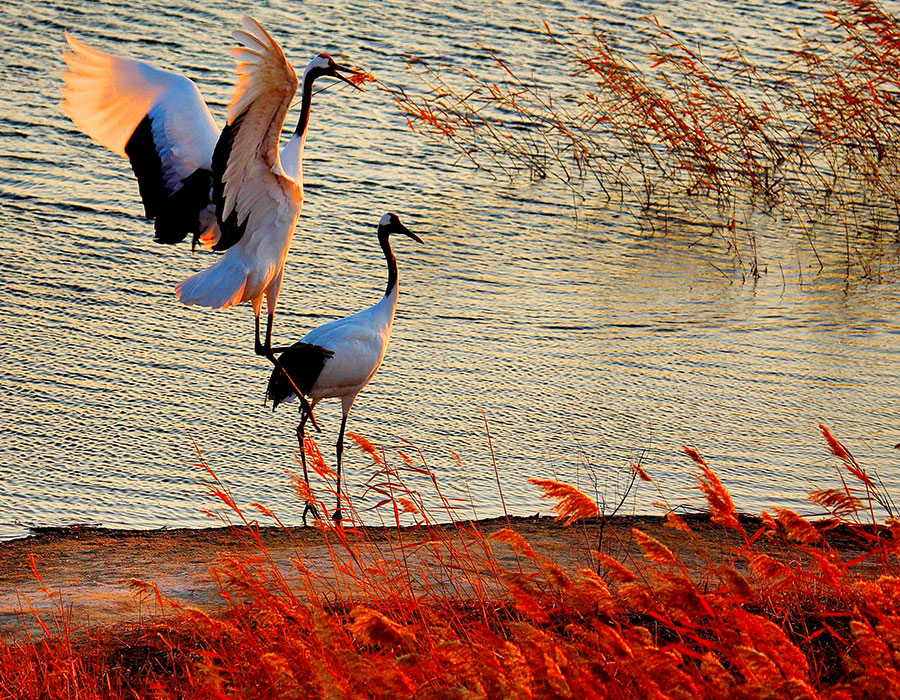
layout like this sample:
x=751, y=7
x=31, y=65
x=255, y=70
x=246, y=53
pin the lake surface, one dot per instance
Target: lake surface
x=585, y=341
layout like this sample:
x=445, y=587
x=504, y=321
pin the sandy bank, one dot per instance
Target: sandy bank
x=90, y=567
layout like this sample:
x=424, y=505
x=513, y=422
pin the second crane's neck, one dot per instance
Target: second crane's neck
x=292, y=155
x=385, y=240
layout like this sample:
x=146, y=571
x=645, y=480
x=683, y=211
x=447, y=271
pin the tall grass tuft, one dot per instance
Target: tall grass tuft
x=444, y=611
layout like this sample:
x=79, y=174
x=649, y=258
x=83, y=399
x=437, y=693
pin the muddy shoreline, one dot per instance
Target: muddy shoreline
x=87, y=569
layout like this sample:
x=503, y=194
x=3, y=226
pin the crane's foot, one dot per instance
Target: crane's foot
x=310, y=508
x=337, y=517
x=268, y=353
x=263, y=349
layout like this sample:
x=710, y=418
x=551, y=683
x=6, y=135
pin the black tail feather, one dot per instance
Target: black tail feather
x=182, y=211
x=304, y=363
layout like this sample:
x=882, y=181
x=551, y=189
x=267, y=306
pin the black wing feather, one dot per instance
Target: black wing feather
x=147, y=166
x=177, y=212
x=231, y=230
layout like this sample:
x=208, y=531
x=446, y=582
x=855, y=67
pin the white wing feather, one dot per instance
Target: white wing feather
x=265, y=87
x=256, y=196
x=108, y=96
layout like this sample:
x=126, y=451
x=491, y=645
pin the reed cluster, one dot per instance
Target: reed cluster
x=782, y=615
x=688, y=135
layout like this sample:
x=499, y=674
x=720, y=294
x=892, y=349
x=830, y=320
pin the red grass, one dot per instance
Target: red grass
x=786, y=617
x=571, y=504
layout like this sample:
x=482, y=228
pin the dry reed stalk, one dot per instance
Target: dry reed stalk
x=687, y=135
x=786, y=618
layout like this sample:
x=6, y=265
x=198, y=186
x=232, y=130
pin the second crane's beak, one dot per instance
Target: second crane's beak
x=353, y=73
x=402, y=229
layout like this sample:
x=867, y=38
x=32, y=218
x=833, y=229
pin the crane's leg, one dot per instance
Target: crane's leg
x=310, y=506
x=270, y=319
x=271, y=294
x=336, y=516
x=306, y=409
x=258, y=346
x=265, y=349
x=257, y=310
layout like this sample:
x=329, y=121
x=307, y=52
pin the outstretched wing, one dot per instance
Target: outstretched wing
x=247, y=171
x=155, y=118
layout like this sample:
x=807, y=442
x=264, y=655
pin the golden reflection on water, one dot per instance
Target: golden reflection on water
x=585, y=340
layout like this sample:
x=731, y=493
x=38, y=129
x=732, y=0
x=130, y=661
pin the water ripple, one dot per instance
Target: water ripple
x=584, y=341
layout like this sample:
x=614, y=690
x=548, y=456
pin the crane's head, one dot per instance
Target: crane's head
x=323, y=64
x=390, y=223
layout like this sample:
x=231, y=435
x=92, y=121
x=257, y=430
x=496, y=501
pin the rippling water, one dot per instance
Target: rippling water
x=585, y=341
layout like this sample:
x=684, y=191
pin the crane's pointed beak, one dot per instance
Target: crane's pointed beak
x=403, y=229
x=353, y=74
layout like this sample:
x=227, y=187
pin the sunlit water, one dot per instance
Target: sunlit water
x=584, y=341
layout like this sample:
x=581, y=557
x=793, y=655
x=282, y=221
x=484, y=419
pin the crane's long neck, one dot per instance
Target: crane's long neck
x=385, y=240
x=305, y=105
x=292, y=155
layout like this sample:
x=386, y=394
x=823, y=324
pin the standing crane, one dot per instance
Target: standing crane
x=338, y=359
x=232, y=190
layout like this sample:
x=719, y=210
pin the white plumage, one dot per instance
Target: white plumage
x=359, y=343
x=107, y=97
x=232, y=190
x=338, y=359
